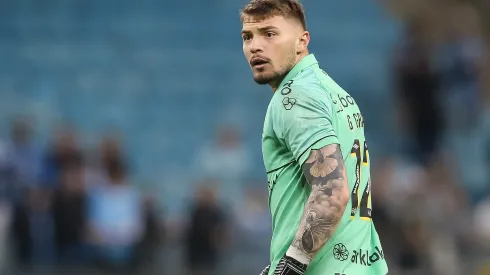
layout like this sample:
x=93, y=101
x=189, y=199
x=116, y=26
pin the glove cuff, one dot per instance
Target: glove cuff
x=294, y=264
x=289, y=266
x=298, y=255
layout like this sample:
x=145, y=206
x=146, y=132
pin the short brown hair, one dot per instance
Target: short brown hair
x=268, y=8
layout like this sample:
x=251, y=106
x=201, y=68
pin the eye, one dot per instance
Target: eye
x=246, y=37
x=270, y=34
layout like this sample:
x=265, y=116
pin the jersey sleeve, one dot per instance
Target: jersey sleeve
x=303, y=120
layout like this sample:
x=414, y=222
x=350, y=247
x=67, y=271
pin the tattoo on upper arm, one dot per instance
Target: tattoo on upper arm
x=325, y=172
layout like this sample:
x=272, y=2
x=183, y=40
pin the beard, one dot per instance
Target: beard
x=264, y=78
x=274, y=77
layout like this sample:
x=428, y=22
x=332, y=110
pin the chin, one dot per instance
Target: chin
x=263, y=79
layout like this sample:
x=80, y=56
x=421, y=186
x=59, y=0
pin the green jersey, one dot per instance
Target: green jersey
x=309, y=111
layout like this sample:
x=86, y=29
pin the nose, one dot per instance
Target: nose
x=255, y=46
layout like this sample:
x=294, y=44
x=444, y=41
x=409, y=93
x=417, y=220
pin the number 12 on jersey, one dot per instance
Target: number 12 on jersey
x=363, y=204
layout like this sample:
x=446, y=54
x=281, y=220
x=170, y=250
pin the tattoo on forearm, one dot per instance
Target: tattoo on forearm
x=326, y=174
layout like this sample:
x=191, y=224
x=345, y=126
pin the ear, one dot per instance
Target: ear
x=303, y=42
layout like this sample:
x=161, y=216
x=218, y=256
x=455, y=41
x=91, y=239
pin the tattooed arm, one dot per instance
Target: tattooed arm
x=325, y=172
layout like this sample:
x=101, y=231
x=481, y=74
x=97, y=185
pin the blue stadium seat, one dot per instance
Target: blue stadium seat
x=167, y=73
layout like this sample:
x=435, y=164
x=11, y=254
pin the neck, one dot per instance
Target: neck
x=275, y=83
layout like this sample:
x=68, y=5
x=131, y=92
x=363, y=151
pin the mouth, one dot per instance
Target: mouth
x=258, y=62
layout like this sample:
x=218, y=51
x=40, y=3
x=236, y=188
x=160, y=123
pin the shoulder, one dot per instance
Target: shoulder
x=303, y=90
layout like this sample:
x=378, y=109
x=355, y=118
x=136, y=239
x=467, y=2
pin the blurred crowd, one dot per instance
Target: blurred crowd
x=77, y=210
x=432, y=203
x=62, y=205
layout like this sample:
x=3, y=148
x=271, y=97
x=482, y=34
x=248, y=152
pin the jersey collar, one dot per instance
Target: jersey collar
x=304, y=63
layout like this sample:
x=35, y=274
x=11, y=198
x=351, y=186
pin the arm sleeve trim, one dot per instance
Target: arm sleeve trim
x=313, y=143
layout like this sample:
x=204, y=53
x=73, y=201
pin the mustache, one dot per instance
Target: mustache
x=258, y=60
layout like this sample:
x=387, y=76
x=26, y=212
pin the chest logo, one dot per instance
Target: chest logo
x=288, y=103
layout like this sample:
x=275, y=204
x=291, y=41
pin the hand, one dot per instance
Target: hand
x=266, y=270
x=290, y=266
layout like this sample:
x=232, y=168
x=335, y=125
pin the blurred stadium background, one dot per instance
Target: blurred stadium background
x=130, y=133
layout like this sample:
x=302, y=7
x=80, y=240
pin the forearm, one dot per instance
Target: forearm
x=325, y=206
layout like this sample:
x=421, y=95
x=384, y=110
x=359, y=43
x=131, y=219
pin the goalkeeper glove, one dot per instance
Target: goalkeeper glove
x=266, y=270
x=287, y=266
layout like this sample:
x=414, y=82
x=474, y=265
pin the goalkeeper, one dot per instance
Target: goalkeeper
x=314, y=150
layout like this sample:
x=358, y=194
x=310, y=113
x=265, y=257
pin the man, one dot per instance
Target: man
x=205, y=234
x=314, y=151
